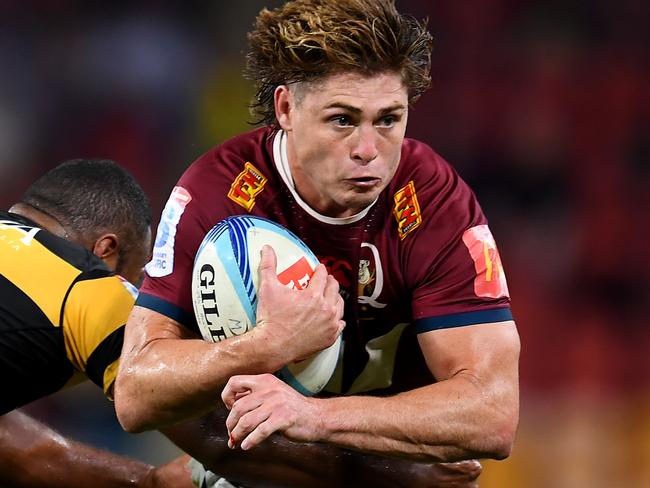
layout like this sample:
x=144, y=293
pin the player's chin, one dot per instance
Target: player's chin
x=359, y=200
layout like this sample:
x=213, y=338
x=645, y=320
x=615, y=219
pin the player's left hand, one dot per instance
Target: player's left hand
x=263, y=404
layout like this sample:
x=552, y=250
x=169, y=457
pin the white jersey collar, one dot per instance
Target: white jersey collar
x=282, y=164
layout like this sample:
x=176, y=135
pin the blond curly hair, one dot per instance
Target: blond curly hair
x=306, y=40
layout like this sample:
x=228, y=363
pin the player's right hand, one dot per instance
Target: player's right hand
x=297, y=323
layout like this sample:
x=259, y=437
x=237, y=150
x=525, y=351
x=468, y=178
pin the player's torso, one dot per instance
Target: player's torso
x=365, y=257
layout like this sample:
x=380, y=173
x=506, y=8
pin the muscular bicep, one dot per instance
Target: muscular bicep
x=480, y=352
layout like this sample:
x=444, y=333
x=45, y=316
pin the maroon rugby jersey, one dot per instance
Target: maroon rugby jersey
x=420, y=258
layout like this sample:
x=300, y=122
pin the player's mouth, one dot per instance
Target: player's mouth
x=366, y=182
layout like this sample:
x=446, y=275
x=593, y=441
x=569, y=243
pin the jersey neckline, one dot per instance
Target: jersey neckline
x=281, y=161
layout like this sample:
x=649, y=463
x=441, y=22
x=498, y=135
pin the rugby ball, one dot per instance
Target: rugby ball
x=225, y=281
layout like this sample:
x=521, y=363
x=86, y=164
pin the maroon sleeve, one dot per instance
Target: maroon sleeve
x=451, y=260
x=209, y=191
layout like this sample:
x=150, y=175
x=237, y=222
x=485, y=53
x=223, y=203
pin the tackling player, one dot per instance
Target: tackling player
x=62, y=318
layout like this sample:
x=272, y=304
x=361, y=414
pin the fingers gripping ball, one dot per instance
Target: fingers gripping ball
x=225, y=283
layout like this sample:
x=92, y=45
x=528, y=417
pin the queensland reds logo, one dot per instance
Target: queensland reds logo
x=297, y=275
x=371, y=276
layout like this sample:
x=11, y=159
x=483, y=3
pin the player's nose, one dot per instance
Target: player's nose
x=364, y=148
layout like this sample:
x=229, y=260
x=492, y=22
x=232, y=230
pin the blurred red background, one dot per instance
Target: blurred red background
x=541, y=106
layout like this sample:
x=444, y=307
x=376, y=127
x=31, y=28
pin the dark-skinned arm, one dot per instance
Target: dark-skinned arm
x=278, y=462
x=32, y=454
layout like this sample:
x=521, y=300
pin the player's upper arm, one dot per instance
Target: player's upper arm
x=479, y=364
x=485, y=351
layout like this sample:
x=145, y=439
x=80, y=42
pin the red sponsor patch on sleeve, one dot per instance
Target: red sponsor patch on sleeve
x=490, y=279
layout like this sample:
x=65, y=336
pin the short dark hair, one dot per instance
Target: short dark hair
x=92, y=196
x=306, y=40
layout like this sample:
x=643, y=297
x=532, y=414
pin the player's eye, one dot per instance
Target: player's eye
x=387, y=121
x=341, y=121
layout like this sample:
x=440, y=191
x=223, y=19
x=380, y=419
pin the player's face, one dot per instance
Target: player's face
x=130, y=266
x=344, y=138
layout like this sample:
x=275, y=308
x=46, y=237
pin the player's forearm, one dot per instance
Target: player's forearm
x=31, y=454
x=450, y=420
x=166, y=377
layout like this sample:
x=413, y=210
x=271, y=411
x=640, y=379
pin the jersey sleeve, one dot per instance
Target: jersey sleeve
x=94, y=316
x=456, y=270
x=197, y=203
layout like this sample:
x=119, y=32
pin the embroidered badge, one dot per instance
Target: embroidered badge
x=248, y=183
x=407, y=210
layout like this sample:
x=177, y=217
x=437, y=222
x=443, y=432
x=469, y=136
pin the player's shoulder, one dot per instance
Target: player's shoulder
x=237, y=168
x=254, y=146
x=428, y=193
x=52, y=249
x=426, y=171
x=419, y=160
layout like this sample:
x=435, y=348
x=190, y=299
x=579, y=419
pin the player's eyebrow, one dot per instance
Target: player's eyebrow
x=357, y=110
x=393, y=108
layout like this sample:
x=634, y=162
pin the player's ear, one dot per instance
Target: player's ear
x=283, y=100
x=107, y=248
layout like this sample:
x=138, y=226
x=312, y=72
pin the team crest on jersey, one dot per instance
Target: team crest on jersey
x=490, y=279
x=248, y=183
x=407, y=210
x=366, y=276
x=162, y=261
x=371, y=276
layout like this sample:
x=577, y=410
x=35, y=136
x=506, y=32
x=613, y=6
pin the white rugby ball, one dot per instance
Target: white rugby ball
x=224, y=288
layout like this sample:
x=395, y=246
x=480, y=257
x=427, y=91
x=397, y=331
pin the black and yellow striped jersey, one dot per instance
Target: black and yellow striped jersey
x=62, y=314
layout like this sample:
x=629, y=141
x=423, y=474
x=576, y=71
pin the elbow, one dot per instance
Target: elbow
x=500, y=440
x=130, y=422
x=130, y=409
x=500, y=447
